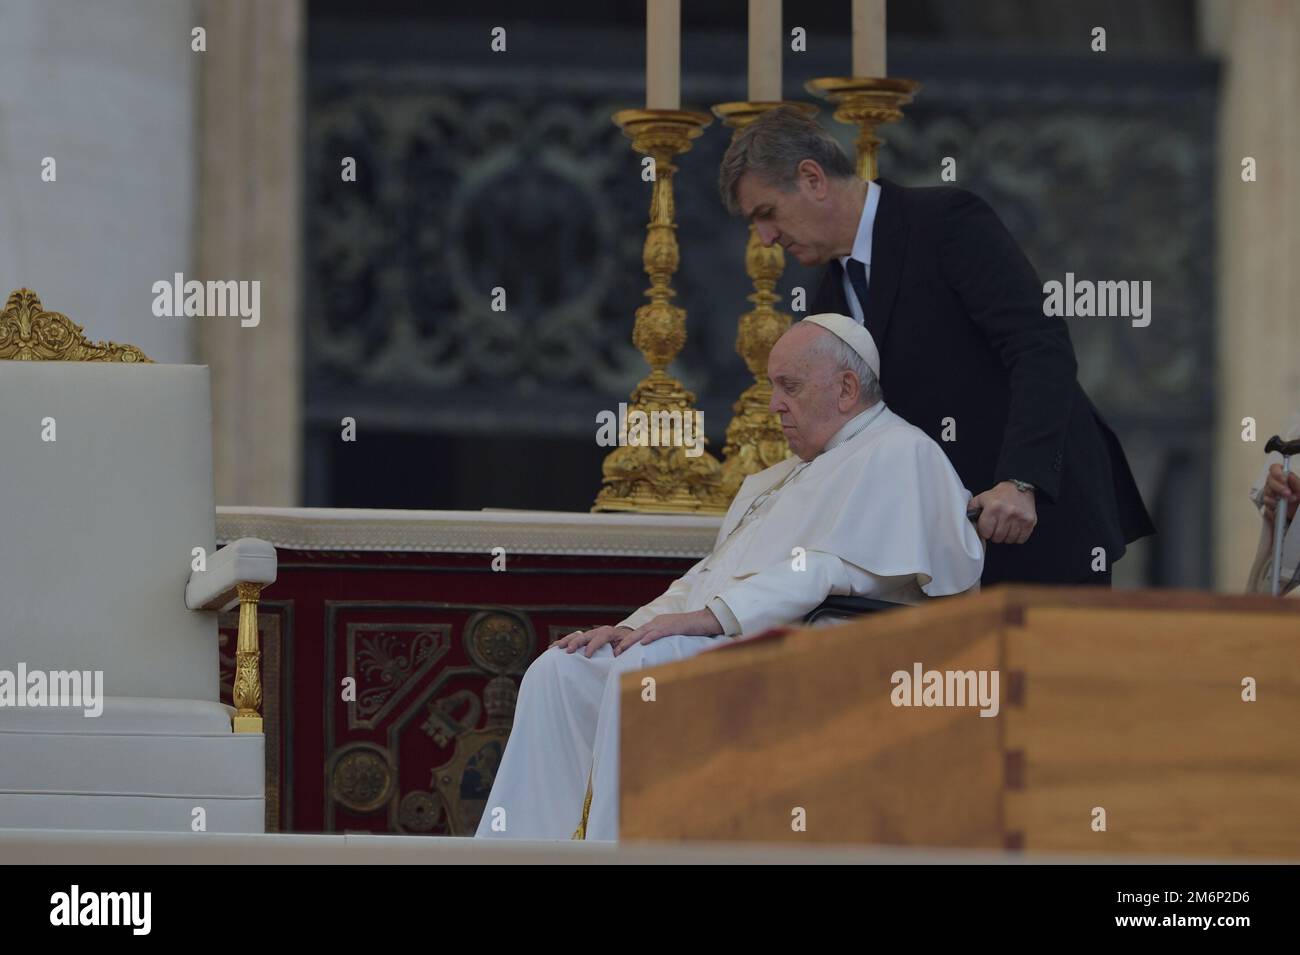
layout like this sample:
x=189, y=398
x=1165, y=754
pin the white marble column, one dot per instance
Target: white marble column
x=249, y=227
x=106, y=89
x=1258, y=256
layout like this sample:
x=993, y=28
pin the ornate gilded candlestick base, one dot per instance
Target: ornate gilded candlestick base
x=865, y=102
x=661, y=476
x=755, y=440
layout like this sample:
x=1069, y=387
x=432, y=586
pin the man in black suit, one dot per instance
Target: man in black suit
x=966, y=352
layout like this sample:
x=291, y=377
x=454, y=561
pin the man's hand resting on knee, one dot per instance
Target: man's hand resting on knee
x=700, y=623
x=592, y=639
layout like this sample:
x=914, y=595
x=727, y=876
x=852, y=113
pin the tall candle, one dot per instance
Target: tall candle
x=663, y=54
x=869, y=38
x=765, y=49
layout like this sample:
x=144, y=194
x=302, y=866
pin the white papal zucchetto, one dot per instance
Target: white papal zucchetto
x=852, y=334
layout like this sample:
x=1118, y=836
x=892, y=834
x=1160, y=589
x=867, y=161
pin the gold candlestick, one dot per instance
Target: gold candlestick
x=655, y=477
x=865, y=102
x=755, y=440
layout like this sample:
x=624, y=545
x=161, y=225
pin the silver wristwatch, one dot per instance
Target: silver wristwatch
x=1021, y=485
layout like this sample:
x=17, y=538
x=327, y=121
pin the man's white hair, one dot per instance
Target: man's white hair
x=844, y=358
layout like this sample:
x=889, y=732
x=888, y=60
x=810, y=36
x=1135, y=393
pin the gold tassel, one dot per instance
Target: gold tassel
x=581, y=831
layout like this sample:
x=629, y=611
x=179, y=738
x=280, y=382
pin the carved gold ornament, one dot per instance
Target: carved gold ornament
x=755, y=440
x=865, y=102
x=655, y=478
x=29, y=333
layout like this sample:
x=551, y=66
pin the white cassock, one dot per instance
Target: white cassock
x=879, y=513
x=1260, y=579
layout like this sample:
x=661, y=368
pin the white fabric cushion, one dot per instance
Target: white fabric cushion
x=133, y=813
x=129, y=715
x=195, y=767
x=98, y=526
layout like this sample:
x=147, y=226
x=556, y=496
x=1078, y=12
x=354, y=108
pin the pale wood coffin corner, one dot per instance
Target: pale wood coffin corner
x=1127, y=702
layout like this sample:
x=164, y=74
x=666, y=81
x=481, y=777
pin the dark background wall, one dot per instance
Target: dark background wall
x=478, y=170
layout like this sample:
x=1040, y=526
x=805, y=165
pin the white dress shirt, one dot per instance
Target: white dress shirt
x=861, y=251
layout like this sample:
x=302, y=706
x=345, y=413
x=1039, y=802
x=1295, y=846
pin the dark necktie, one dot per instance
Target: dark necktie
x=858, y=279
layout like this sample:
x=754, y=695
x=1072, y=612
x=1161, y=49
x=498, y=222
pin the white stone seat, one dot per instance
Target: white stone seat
x=130, y=716
x=97, y=534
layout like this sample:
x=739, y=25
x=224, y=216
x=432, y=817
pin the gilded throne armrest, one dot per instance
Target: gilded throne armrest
x=236, y=574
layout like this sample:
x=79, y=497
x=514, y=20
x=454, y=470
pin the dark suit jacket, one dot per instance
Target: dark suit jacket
x=957, y=313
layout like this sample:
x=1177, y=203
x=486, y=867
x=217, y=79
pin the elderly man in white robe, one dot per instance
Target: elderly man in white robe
x=867, y=505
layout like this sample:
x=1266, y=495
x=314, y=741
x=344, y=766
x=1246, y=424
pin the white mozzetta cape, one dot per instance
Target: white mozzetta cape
x=886, y=500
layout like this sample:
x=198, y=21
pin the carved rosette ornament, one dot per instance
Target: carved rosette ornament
x=362, y=778
x=29, y=333
x=644, y=477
